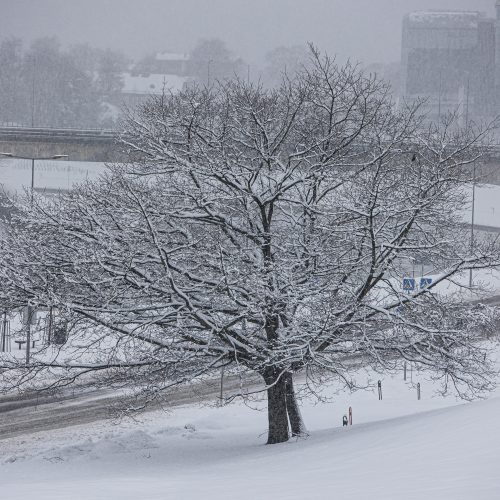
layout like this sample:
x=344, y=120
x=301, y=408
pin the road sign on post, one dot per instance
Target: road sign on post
x=408, y=284
x=425, y=282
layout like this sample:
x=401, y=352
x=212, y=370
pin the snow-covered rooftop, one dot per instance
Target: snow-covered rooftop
x=456, y=19
x=152, y=84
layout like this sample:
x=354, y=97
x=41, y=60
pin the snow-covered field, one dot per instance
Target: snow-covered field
x=398, y=448
x=15, y=175
x=487, y=205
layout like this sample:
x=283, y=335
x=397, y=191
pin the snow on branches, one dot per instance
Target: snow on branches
x=265, y=230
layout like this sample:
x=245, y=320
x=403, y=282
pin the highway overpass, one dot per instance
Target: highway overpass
x=79, y=145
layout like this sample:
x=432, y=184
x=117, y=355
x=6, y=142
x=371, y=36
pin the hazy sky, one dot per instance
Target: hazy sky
x=364, y=30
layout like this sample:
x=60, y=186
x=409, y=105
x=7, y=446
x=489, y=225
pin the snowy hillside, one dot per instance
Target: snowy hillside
x=15, y=175
x=400, y=447
x=53, y=175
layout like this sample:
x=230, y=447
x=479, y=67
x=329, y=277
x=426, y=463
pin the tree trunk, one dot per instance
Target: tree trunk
x=276, y=408
x=297, y=425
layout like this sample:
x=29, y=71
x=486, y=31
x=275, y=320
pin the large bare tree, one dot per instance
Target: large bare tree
x=265, y=231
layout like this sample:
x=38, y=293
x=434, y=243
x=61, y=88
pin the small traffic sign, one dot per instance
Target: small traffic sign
x=408, y=284
x=425, y=282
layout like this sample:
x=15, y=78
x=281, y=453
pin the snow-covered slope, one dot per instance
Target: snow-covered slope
x=50, y=175
x=400, y=447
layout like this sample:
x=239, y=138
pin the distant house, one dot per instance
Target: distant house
x=162, y=63
x=137, y=88
x=171, y=63
x=164, y=71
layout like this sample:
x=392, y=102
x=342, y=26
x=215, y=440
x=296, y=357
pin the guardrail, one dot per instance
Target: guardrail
x=110, y=134
x=58, y=133
x=16, y=126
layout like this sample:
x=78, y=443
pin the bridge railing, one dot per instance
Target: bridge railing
x=57, y=132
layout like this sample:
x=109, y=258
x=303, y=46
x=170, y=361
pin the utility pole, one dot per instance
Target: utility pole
x=439, y=96
x=32, y=178
x=467, y=103
x=208, y=72
x=49, y=326
x=222, y=386
x=5, y=333
x=472, y=217
x=29, y=317
x=33, y=94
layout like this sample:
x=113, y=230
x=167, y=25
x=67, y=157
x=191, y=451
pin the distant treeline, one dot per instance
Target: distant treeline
x=45, y=86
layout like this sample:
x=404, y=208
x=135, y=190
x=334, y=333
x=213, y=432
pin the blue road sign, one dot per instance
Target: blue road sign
x=408, y=284
x=425, y=282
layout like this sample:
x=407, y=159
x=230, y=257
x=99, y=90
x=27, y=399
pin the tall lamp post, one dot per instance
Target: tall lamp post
x=209, y=63
x=17, y=157
x=472, y=218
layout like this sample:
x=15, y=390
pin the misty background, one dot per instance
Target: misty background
x=75, y=63
x=364, y=30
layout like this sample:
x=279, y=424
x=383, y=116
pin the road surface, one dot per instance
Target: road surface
x=28, y=413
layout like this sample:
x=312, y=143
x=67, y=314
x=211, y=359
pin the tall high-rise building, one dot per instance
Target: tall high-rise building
x=449, y=59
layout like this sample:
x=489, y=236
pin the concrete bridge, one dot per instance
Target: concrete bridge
x=88, y=150
x=97, y=145
x=78, y=145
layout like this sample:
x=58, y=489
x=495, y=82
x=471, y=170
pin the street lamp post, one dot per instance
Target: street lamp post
x=209, y=63
x=17, y=157
x=472, y=218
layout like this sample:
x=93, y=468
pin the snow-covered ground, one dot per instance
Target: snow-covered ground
x=398, y=448
x=15, y=175
x=486, y=206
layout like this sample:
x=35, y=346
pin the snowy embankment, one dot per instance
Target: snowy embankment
x=50, y=175
x=53, y=175
x=400, y=447
x=486, y=206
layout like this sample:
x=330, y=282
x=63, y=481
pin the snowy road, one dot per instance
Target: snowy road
x=34, y=413
x=26, y=415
